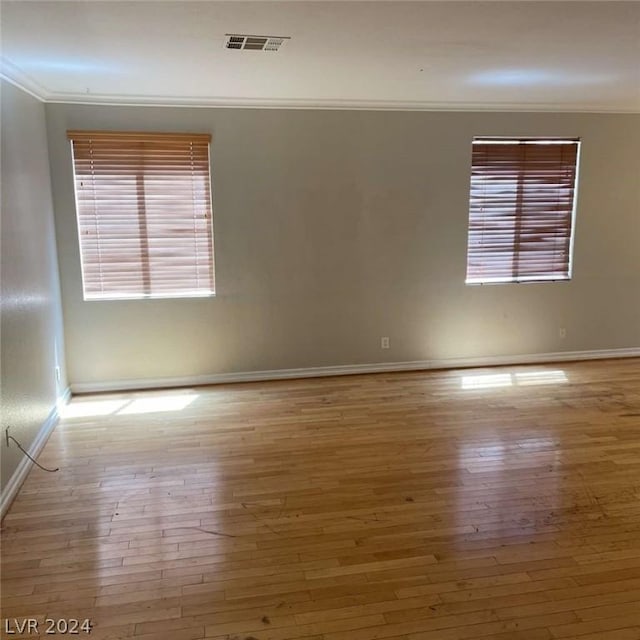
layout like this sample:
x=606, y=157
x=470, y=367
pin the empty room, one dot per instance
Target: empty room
x=320, y=320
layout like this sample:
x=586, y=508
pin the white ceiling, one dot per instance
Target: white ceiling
x=423, y=55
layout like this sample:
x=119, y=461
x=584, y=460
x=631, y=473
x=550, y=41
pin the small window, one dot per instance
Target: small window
x=521, y=210
x=143, y=203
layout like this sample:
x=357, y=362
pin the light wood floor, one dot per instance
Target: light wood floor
x=497, y=503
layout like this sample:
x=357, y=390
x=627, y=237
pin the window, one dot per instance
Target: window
x=521, y=210
x=143, y=202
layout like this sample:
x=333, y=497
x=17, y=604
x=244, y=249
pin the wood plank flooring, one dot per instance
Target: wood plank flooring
x=497, y=503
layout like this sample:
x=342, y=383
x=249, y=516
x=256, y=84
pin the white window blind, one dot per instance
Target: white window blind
x=521, y=210
x=144, y=214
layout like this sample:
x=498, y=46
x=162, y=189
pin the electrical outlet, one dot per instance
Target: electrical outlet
x=562, y=333
x=384, y=342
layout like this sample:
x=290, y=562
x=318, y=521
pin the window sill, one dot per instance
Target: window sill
x=137, y=298
x=533, y=280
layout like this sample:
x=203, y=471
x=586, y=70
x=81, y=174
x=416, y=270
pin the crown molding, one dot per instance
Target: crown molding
x=327, y=104
x=15, y=76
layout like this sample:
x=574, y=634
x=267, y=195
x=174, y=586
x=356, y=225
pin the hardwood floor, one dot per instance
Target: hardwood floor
x=489, y=503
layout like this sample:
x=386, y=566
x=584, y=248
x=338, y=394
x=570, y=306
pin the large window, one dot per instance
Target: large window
x=144, y=214
x=521, y=210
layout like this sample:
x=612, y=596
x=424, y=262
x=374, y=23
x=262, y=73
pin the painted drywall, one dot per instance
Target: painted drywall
x=334, y=228
x=31, y=316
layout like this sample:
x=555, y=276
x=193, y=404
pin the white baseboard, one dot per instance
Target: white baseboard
x=12, y=487
x=64, y=398
x=342, y=370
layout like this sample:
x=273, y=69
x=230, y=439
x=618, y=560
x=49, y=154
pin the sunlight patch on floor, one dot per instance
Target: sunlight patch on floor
x=156, y=403
x=526, y=378
x=85, y=409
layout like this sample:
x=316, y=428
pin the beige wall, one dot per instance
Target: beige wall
x=32, y=343
x=334, y=228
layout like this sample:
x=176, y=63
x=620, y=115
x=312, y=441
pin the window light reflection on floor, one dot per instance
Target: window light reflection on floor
x=127, y=406
x=541, y=377
x=485, y=381
x=158, y=404
x=87, y=408
x=526, y=378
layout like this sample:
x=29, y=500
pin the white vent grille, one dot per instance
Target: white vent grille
x=254, y=43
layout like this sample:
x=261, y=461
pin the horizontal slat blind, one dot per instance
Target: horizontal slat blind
x=521, y=210
x=144, y=214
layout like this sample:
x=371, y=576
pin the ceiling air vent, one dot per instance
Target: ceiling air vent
x=254, y=43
